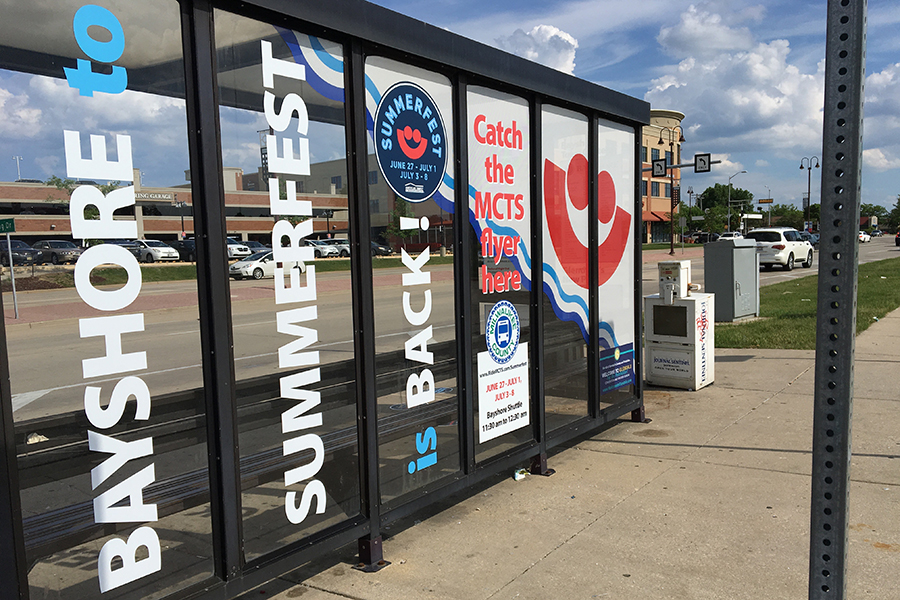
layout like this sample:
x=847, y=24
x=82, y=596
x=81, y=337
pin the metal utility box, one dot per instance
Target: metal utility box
x=731, y=272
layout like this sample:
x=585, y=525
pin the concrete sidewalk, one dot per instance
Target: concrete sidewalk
x=710, y=500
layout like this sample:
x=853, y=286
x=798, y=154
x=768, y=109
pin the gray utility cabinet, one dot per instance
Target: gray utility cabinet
x=731, y=272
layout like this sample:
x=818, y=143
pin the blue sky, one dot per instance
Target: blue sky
x=749, y=76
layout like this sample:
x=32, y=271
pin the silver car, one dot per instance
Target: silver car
x=153, y=250
x=57, y=252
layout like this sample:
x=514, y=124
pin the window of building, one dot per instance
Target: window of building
x=643, y=153
x=654, y=153
x=669, y=158
x=654, y=188
x=668, y=190
x=643, y=187
x=373, y=177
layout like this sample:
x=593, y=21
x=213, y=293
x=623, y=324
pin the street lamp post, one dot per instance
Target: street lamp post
x=809, y=168
x=180, y=207
x=672, y=194
x=729, y=197
x=769, y=196
x=18, y=169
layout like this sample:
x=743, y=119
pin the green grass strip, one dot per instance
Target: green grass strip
x=788, y=309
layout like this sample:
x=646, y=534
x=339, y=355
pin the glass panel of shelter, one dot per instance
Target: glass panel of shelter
x=615, y=258
x=410, y=115
x=564, y=143
x=500, y=226
x=106, y=380
x=283, y=146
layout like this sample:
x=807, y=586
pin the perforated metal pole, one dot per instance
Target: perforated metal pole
x=838, y=268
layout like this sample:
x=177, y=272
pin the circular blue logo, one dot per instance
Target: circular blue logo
x=410, y=142
x=501, y=334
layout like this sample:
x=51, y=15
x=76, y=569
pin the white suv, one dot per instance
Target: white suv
x=730, y=235
x=781, y=246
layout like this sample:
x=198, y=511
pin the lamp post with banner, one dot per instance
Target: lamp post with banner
x=672, y=188
x=809, y=167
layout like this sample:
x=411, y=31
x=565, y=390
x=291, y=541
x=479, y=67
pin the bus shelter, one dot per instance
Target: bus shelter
x=196, y=438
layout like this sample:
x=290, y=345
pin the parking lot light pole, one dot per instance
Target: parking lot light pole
x=809, y=168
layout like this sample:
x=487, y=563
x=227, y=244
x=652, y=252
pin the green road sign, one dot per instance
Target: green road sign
x=7, y=225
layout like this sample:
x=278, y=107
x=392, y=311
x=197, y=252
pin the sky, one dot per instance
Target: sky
x=749, y=76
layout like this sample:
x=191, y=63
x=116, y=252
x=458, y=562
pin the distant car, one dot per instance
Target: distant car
x=730, y=235
x=57, y=252
x=381, y=250
x=22, y=253
x=129, y=245
x=812, y=238
x=154, y=250
x=343, y=246
x=187, y=249
x=876, y=233
x=323, y=250
x=237, y=249
x=255, y=246
x=258, y=265
x=864, y=237
x=703, y=237
x=781, y=246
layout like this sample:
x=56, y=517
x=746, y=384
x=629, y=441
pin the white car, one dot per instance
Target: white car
x=864, y=237
x=781, y=246
x=323, y=250
x=257, y=266
x=153, y=250
x=343, y=246
x=236, y=249
x=730, y=235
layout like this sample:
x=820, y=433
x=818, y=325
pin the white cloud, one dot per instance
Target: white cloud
x=761, y=163
x=18, y=118
x=702, y=34
x=735, y=91
x=876, y=159
x=544, y=44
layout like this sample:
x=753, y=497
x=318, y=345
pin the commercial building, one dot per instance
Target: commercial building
x=662, y=138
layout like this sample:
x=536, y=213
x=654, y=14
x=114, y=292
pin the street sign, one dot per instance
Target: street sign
x=765, y=201
x=702, y=163
x=695, y=218
x=7, y=225
x=659, y=167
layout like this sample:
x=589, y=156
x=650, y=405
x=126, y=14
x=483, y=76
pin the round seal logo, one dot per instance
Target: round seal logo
x=410, y=142
x=502, y=332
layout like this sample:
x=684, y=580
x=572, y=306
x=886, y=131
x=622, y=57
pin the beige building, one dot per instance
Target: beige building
x=661, y=139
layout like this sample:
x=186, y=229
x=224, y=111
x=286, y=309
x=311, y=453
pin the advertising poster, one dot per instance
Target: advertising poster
x=502, y=375
x=615, y=254
x=500, y=216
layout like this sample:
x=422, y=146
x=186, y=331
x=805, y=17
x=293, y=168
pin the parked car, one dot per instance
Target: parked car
x=730, y=235
x=703, y=237
x=255, y=246
x=781, y=246
x=812, y=238
x=57, y=251
x=864, y=237
x=154, y=250
x=237, y=249
x=129, y=245
x=323, y=250
x=343, y=246
x=257, y=266
x=876, y=233
x=187, y=249
x=22, y=253
x=381, y=250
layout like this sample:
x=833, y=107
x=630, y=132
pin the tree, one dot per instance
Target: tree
x=787, y=215
x=718, y=195
x=401, y=209
x=894, y=216
x=68, y=186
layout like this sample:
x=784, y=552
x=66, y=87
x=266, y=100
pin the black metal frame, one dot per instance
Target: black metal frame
x=364, y=30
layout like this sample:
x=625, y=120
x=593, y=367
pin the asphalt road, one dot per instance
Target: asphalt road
x=46, y=349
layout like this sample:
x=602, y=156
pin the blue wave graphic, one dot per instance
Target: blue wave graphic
x=563, y=314
x=312, y=78
x=327, y=59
